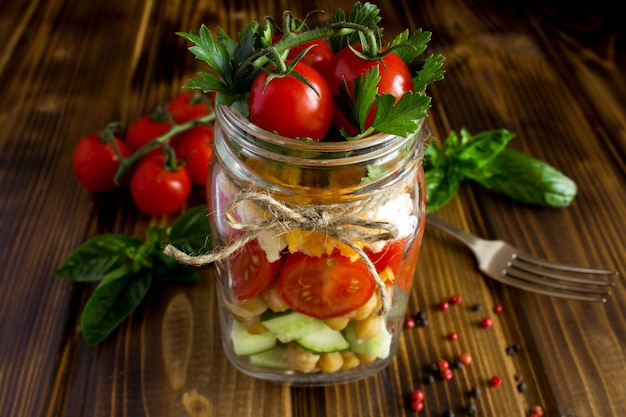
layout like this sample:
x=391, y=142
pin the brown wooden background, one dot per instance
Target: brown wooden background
x=549, y=71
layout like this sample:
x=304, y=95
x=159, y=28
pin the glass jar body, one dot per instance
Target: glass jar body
x=324, y=241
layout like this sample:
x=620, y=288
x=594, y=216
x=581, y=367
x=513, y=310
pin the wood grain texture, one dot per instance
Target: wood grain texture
x=550, y=72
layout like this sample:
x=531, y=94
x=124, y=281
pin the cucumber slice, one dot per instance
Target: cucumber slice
x=292, y=326
x=245, y=343
x=273, y=358
x=379, y=346
x=324, y=340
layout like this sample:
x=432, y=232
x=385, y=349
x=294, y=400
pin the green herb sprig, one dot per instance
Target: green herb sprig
x=126, y=268
x=485, y=159
x=234, y=63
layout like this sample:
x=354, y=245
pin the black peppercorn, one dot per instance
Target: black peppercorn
x=474, y=392
x=428, y=379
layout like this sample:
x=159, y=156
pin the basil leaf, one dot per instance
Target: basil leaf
x=170, y=270
x=441, y=186
x=191, y=232
x=111, y=302
x=477, y=151
x=97, y=257
x=528, y=180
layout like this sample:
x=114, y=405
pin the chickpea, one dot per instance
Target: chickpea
x=254, y=325
x=366, y=309
x=350, y=360
x=330, y=362
x=247, y=309
x=368, y=328
x=365, y=358
x=337, y=323
x=272, y=298
x=301, y=359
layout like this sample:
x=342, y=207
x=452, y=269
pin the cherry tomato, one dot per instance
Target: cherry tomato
x=156, y=190
x=187, y=106
x=291, y=108
x=390, y=256
x=144, y=130
x=250, y=271
x=407, y=272
x=195, y=146
x=395, y=79
x=318, y=57
x=95, y=162
x=328, y=286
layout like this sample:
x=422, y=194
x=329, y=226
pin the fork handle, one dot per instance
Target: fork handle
x=460, y=234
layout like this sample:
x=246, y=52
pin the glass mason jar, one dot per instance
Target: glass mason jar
x=324, y=239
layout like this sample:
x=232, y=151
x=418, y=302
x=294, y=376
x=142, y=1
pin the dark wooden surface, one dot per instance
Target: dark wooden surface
x=552, y=73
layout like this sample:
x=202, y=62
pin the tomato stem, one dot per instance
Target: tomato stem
x=127, y=162
x=269, y=54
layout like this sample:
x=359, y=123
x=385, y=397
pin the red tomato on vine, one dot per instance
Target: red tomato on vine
x=318, y=57
x=289, y=107
x=395, y=79
x=144, y=130
x=187, y=106
x=157, y=189
x=194, y=146
x=95, y=161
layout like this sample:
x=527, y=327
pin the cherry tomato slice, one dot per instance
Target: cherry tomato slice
x=328, y=286
x=250, y=271
x=390, y=256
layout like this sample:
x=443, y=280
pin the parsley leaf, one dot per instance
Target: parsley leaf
x=224, y=57
x=361, y=14
x=401, y=118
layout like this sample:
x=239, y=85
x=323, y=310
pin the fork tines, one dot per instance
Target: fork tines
x=539, y=272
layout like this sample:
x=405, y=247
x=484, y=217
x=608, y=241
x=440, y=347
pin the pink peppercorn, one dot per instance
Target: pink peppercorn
x=409, y=322
x=486, y=322
x=495, y=381
x=447, y=374
x=456, y=299
x=452, y=336
x=497, y=309
x=417, y=395
x=417, y=406
x=537, y=410
x=443, y=305
x=443, y=364
x=465, y=358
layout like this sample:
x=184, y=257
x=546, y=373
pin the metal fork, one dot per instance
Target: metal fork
x=504, y=263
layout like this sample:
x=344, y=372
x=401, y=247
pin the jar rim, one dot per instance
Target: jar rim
x=346, y=145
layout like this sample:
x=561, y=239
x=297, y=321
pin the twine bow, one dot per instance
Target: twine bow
x=343, y=222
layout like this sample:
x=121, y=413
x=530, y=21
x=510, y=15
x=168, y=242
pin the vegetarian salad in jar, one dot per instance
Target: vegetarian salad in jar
x=316, y=190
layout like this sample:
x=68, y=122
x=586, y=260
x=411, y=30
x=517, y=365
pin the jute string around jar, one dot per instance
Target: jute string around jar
x=344, y=222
